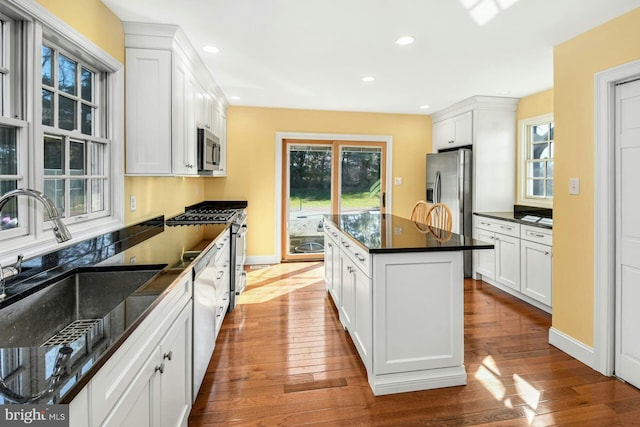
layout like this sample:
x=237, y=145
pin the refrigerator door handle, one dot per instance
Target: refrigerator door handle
x=437, y=185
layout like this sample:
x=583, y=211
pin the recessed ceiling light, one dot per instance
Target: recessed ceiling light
x=405, y=40
x=424, y=107
x=211, y=49
x=368, y=79
x=234, y=98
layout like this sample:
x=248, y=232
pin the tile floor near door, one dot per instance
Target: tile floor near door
x=282, y=358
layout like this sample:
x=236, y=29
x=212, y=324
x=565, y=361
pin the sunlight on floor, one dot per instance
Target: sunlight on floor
x=274, y=281
x=489, y=376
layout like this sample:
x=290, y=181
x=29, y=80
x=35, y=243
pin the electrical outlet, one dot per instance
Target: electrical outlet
x=397, y=180
x=574, y=186
x=132, y=260
x=133, y=203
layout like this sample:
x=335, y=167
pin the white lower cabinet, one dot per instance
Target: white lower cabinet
x=520, y=262
x=535, y=261
x=332, y=264
x=147, y=381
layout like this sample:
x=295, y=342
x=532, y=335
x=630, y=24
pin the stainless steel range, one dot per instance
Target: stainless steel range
x=222, y=212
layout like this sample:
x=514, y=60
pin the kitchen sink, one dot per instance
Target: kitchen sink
x=82, y=302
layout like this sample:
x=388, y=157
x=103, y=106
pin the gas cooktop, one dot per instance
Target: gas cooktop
x=209, y=213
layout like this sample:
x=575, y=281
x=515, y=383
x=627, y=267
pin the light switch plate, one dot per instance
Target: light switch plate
x=574, y=186
x=397, y=180
x=133, y=203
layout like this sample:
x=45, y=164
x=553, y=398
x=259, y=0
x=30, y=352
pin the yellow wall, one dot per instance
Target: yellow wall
x=575, y=62
x=251, y=134
x=93, y=20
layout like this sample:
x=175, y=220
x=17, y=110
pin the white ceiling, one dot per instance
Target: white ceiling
x=312, y=54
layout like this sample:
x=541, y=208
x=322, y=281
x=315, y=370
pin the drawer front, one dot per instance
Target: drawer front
x=359, y=256
x=497, y=226
x=543, y=236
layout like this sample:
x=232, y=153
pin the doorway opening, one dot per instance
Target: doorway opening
x=327, y=177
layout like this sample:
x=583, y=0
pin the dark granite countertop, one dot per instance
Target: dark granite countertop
x=149, y=244
x=385, y=233
x=515, y=217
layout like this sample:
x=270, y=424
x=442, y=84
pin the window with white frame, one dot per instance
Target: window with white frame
x=58, y=119
x=537, y=144
x=74, y=147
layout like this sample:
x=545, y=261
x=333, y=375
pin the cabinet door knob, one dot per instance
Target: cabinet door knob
x=160, y=368
x=168, y=356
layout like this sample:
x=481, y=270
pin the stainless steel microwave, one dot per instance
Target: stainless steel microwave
x=208, y=151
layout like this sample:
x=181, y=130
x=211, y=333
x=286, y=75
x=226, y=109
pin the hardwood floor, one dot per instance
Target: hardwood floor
x=282, y=358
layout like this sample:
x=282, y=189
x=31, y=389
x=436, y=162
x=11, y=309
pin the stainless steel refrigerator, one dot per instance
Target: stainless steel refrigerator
x=449, y=182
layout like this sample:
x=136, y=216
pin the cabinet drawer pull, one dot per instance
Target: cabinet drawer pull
x=504, y=227
x=220, y=274
x=330, y=245
x=168, y=356
x=345, y=244
x=531, y=233
x=546, y=252
x=334, y=234
x=360, y=257
x=485, y=223
x=160, y=368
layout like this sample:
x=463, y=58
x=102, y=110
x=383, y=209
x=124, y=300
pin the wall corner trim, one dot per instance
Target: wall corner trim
x=572, y=347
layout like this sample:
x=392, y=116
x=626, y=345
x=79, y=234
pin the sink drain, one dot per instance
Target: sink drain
x=72, y=332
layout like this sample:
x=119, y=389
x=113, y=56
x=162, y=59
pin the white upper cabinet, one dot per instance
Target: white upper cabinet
x=453, y=132
x=170, y=93
x=488, y=124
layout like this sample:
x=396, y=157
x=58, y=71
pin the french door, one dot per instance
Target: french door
x=323, y=178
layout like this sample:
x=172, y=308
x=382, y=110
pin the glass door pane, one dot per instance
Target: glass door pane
x=308, y=199
x=360, y=179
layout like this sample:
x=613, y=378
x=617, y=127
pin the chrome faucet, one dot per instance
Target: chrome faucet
x=59, y=229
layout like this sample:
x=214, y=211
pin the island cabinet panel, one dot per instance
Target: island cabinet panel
x=417, y=313
x=332, y=264
x=418, y=322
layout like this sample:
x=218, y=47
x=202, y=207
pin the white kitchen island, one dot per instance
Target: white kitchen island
x=399, y=292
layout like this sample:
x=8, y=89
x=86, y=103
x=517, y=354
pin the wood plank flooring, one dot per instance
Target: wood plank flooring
x=282, y=358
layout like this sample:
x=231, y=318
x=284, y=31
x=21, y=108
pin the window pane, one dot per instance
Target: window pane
x=77, y=194
x=9, y=214
x=66, y=75
x=66, y=113
x=550, y=169
x=47, y=66
x=77, y=158
x=97, y=159
x=47, y=108
x=552, y=136
x=53, y=156
x=540, y=132
x=549, y=188
x=539, y=151
x=8, y=151
x=537, y=188
x=536, y=170
x=86, y=117
x=97, y=195
x=87, y=85
x=54, y=189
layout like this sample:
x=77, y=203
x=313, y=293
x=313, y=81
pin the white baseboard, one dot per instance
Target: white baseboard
x=263, y=259
x=572, y=347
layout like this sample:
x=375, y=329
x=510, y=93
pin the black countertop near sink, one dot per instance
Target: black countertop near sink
x=385, y=233
x=27, y=370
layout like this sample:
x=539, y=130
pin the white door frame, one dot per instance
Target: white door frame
x=605, y=215
x=281, y=136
